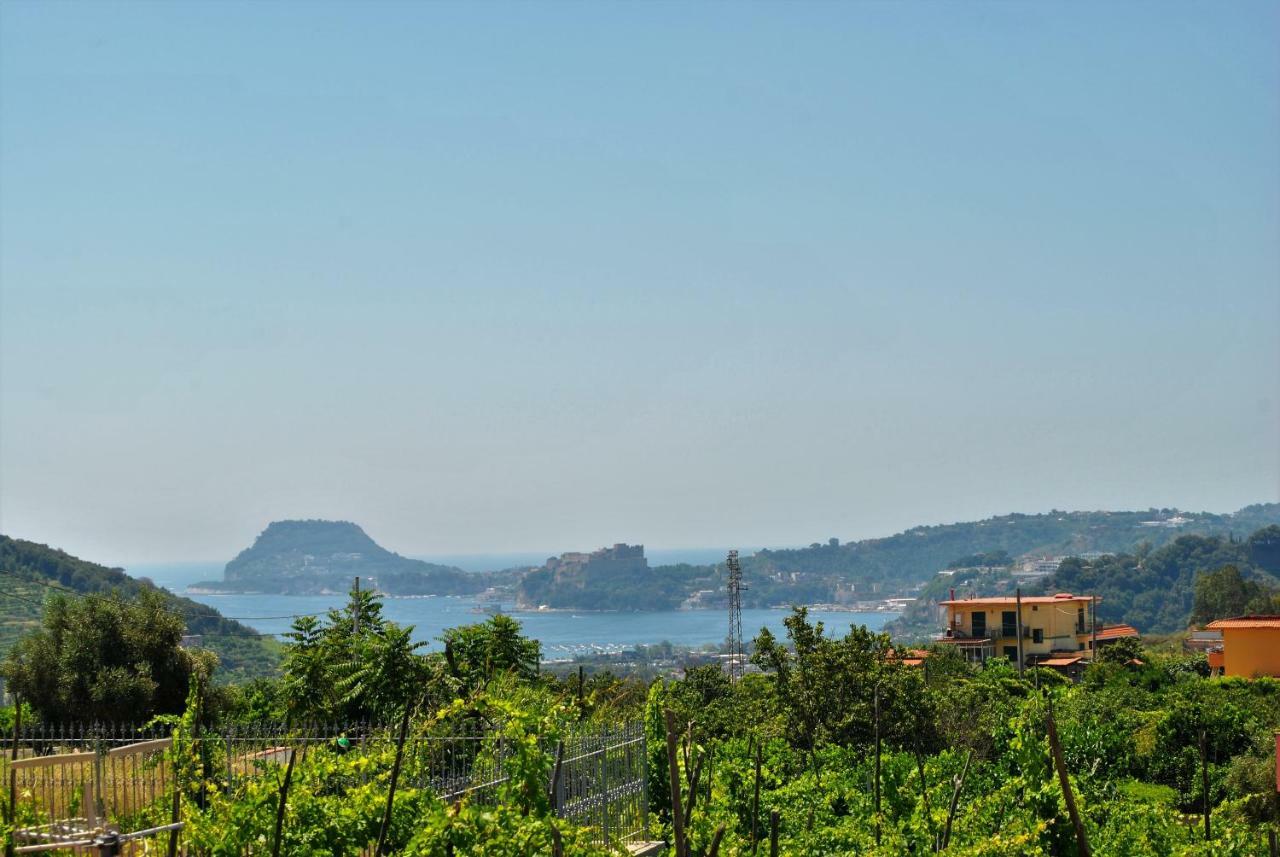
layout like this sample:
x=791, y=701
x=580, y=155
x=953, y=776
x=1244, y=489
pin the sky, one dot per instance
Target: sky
x=546, y=276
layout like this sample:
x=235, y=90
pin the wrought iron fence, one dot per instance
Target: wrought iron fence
x=69, y=779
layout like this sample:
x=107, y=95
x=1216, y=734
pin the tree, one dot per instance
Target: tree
x=477, y=653
x=1225, y=592
x=101, y=658
x=1121, y=651
x=355, y=665
x=827, y=687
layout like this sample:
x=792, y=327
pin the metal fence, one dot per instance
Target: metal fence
x=70, y=779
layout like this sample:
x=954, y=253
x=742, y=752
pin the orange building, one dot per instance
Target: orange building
x=1250, y=645
x=983, y=628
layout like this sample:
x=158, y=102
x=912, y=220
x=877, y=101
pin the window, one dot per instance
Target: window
x=1008, y=624
x=1037, y=635
x=1011, y=652
x=1080, y=621
x=979, y=624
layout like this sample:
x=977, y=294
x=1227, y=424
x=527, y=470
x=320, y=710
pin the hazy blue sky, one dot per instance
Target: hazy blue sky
x=549, y=276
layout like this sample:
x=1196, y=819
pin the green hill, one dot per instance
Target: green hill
x=914, y=556
x=30, y=571
x=1154, y=590
x=309, y=557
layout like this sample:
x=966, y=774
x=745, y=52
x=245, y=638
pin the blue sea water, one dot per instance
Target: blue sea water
x=562, y=634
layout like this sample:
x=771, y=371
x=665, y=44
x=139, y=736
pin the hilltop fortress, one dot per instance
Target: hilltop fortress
x=611, y=578
x=580, y=569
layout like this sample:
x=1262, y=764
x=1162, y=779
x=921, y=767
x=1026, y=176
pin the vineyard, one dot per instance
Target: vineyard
x=836, y=745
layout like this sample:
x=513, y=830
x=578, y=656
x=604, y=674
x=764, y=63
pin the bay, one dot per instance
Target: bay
x=562, y=634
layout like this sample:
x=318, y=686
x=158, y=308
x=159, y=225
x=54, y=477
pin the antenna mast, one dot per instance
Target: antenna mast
x=735, y=615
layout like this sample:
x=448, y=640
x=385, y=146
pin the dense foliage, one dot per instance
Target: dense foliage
x=966, y=762
x=30, y=571
x=104, y=659
x=1157, y=590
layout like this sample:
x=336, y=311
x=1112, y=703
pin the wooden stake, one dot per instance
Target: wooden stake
x=673, y=771
x=395, y=776
x=284, y=795
x=955, y=801
x=773, y=833
x=1204, y=782
x=1059, y=762
x=693, y=789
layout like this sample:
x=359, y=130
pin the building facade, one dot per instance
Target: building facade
x=1250, y=646
x=1049, y=625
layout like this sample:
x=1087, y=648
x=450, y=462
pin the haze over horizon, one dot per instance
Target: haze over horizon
x=481, y=278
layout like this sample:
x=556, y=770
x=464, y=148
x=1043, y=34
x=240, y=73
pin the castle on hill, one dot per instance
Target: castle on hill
x=620, y=558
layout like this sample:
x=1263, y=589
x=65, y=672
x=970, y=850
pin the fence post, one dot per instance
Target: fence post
x=604, y=785
x=644, y=782
x=13, y=775
x=108, y=845
x=177, y=811
x=555, y=777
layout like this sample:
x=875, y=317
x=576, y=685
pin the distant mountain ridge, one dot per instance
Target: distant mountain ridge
x=870, y=570
x=308, y=557
x=913, y=556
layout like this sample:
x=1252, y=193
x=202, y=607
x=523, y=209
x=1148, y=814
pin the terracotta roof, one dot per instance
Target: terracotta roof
x=1116, y=632
x=1060, y=662
x=1246, y=622
x=1026, y=599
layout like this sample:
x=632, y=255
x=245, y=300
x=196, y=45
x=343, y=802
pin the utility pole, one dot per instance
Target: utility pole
x=1018, y=599
x=1093, y=645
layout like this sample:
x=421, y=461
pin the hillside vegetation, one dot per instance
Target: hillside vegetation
x=915, y=555
x=1155, y=590
x=898, y=564
x=30, y=572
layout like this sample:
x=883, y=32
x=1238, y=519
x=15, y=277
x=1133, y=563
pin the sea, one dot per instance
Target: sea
x=563, y=634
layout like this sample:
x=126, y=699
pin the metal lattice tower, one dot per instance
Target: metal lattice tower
x=735, y=615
